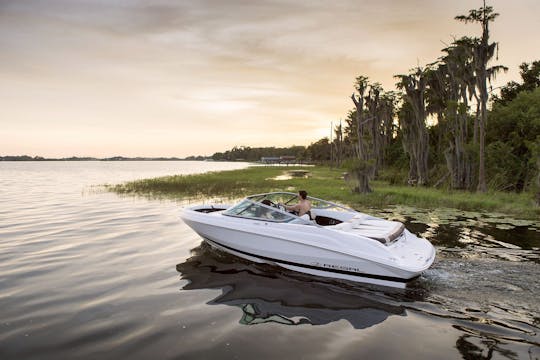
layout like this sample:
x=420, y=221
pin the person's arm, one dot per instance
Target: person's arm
x=292, y=207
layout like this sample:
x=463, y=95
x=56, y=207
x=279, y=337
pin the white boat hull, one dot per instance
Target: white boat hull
x=319, y=251
x=369, y=279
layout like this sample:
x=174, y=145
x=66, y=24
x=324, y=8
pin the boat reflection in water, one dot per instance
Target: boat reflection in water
x=271, y=294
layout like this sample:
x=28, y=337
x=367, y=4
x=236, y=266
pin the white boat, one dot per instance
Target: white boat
x=339, y=242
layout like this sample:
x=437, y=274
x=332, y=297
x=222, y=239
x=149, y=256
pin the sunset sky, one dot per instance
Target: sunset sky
x=177, y=78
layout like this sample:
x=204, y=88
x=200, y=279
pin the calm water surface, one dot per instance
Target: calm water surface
x=89, y=274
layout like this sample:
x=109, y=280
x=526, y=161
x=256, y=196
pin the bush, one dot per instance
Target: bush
x=503, y=167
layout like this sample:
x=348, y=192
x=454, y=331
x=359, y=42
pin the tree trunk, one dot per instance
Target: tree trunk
x=538, y=181
x=482, y=134
x=482, y=52
x=361, y=172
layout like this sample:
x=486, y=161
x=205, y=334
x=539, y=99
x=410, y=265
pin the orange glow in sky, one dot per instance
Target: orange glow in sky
x=177, y=78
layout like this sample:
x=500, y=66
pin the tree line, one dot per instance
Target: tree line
x=438, y=129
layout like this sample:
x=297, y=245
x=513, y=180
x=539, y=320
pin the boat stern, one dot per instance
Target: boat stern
x=412, y=253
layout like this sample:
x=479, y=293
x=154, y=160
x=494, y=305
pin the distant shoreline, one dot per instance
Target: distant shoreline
x=114, y=158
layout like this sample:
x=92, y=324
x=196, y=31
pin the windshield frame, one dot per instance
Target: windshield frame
x=316, y=203
x=287, y=217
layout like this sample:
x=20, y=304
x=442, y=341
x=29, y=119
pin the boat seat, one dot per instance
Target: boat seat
x=383, y=231
x=344, y=226
x=303, y=217
x=360, y=218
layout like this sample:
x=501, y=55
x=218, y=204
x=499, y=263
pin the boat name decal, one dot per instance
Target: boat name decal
x=336, y=267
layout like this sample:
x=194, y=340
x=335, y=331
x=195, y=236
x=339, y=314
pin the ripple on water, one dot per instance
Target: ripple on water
x=88, y=274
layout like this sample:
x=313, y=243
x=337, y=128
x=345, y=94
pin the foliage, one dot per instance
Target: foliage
x=326, y=183
x=319, y=151
x=413, y=124
x=439, y=127
x=246, y=153
x=530, y=75
x=503, y=166
x=358, y=171
x=515, y=135
x=371, y=131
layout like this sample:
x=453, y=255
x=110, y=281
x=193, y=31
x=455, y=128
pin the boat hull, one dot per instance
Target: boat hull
x=318, y=271
x=309, y=249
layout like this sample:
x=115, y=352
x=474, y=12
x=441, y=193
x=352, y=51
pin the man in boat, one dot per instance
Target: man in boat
x=304, y=205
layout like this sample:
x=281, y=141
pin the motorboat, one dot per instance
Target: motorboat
x=335, y=241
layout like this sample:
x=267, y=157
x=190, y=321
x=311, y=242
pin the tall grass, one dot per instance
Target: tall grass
x=325, y=183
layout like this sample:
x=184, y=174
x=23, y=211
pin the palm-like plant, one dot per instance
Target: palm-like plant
x=483, y=52
x=373, y=124
x=362, y=169
x=415, y=135
x=449, y=90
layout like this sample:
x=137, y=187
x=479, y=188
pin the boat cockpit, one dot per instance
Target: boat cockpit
x=271, y=207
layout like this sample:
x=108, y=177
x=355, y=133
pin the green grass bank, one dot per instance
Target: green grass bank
x=326, y=183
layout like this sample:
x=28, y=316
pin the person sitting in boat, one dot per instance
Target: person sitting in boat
x=267, y=202
x=303, y=207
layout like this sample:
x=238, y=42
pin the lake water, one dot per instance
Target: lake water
x=88, y=274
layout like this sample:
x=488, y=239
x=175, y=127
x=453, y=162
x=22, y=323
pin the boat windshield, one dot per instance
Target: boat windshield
x=254, y=210
x=276, y=198
x=288, y=198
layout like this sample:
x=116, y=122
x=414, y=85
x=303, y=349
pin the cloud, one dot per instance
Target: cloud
x=275, y=72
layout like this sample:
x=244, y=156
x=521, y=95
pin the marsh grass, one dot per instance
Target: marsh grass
x=325, y=183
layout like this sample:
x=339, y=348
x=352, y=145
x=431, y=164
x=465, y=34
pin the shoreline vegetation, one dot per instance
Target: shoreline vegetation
x=327, y=183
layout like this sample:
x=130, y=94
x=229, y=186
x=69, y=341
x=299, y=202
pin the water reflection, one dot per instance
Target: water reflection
x=88, y=275
x=470, y=235
x=455, y=228
x=487, y=325
x=270, y=294
x=479, y=348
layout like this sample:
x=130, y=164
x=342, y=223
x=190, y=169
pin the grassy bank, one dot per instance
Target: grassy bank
x=327, y=184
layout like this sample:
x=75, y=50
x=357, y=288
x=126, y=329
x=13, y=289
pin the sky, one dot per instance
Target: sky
x=177, y=78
